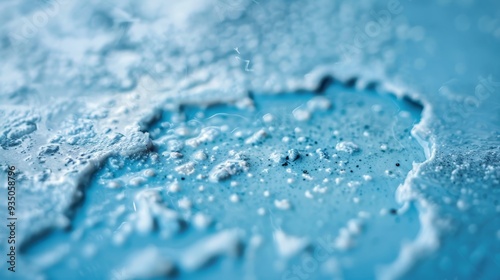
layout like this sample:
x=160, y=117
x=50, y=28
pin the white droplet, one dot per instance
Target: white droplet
x=184, y=203
x=308, y=194
x=301, y=114
x=282, y=204
x=174, y=187
x=234, y=198
x=268, y=118
x=348, y=147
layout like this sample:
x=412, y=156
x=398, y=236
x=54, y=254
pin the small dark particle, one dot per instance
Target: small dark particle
x=305, y=172
x=182, y=178
x=393, y=211
x=285, y=164
x=397, y=164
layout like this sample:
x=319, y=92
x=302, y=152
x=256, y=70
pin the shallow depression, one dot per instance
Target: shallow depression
x=286, y=186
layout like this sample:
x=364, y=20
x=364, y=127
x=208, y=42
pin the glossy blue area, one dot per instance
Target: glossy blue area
x=361, y=202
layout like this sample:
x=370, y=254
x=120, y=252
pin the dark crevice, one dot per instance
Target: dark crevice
x=324, y=84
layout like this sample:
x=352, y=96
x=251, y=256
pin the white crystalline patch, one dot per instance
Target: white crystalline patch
x=308, y=194
x=175, y=155
x=319, y=103
x=135, y=143
x=301, y=114
x=114, y=184
x=293, y=154
x=353, y=184
x=137, y=181
x=174, y=187
x=184, y=203
x=354, y=226
x=245, y=103
x=278, y=158
x=344, y=240
x=287, y=245
x=149, y=208
x=21, y=130
x=186, y=169
x=319, y=189
x=145, y=222
x=206, y=135
x=322, y=154
x=222, y=243
x=148, y=263
x=234, y=198
x=200, y=155
x=48, y=149
x=257, y=137
x=149, y=172
x=227, y=169
x=268, y=118
x=307, y=177
x=182, y=131
x=175, y=145
x=347, y=147
x=201, y=221
x=283, y=204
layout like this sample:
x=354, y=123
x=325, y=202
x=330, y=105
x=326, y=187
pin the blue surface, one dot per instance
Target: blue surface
x=157, y=140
